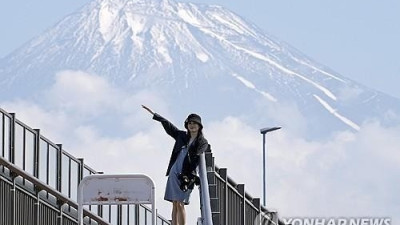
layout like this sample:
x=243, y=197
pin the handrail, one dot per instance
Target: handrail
x=204, y=192
x=49, y=169
x=44, y=187
x=263, y=211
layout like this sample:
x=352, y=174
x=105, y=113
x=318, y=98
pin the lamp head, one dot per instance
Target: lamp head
x=269, y=129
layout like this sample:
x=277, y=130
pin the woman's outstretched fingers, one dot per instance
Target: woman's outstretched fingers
x=148, y=109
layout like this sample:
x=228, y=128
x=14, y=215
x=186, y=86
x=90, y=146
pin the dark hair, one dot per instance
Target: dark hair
x=200, y=135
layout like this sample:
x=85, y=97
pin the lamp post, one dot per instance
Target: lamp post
x=264, y=131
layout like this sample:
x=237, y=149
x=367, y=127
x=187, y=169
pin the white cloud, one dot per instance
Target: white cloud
x=237, y=146
x=349, y=174
x=285, y=114
x=77, y=111
x=134, y=116
x=352, y=174
x=83, y=93
x=52, y=123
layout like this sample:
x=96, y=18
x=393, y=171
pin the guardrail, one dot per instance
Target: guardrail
x=205, y=205
x=231, y=204
x=32, y=214
x=39, y=182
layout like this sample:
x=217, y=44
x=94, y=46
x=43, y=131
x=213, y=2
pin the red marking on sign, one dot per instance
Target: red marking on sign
x=101, y=199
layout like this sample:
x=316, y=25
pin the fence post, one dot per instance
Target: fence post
x=36, y=153
x=223, y=172
x=59, y=167
x=12, y=138
x=241, y=190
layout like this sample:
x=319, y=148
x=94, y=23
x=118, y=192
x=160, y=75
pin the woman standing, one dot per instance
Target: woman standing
x=184, y=160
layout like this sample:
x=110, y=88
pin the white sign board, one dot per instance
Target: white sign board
x=116, y=190
x=120, y=189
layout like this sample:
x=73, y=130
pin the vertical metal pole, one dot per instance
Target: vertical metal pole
x=13, y=199
x=36, y=154
x=80, y=204
x=223, y=172
x=61, y=213
x=59, y=167
x=119, y=214
x=2, y=120
x=12, y=138
x=12, y=160
x=137, y=214
x=153, y=206
x=205, y=195
x=240, y=188
x=37, y=207
x=264, y=174
x=264, y=131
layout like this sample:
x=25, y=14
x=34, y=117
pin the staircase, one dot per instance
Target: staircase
x=230, y=203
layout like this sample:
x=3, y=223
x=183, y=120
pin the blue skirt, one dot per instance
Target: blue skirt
x=173, y=191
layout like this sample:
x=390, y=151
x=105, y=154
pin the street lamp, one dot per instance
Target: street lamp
x=264, y=131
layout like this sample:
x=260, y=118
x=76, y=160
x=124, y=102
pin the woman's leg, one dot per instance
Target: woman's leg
x=174, y=213
x=181, y=213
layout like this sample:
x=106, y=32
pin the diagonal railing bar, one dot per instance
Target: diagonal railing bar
x=44, y=187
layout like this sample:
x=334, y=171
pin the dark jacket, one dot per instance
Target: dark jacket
x=182, y=138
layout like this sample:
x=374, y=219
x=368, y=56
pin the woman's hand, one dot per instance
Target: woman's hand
x=148, y=109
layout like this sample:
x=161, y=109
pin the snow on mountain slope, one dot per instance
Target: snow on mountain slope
x=193, y=52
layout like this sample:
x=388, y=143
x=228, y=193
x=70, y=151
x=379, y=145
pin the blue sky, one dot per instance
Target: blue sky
x=358, y=38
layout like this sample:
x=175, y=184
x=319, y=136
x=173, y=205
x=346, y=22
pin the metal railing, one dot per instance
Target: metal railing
x=231, y=204
x=39, y=182
x=26, y=197
x=205, y=206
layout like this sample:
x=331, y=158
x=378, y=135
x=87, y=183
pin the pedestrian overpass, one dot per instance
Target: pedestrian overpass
x=39, y=186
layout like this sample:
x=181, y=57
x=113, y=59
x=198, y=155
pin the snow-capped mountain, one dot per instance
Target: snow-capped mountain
x=201, y=57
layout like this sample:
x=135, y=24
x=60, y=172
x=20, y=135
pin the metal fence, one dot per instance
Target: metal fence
x=230, y=204
x=39, y=182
